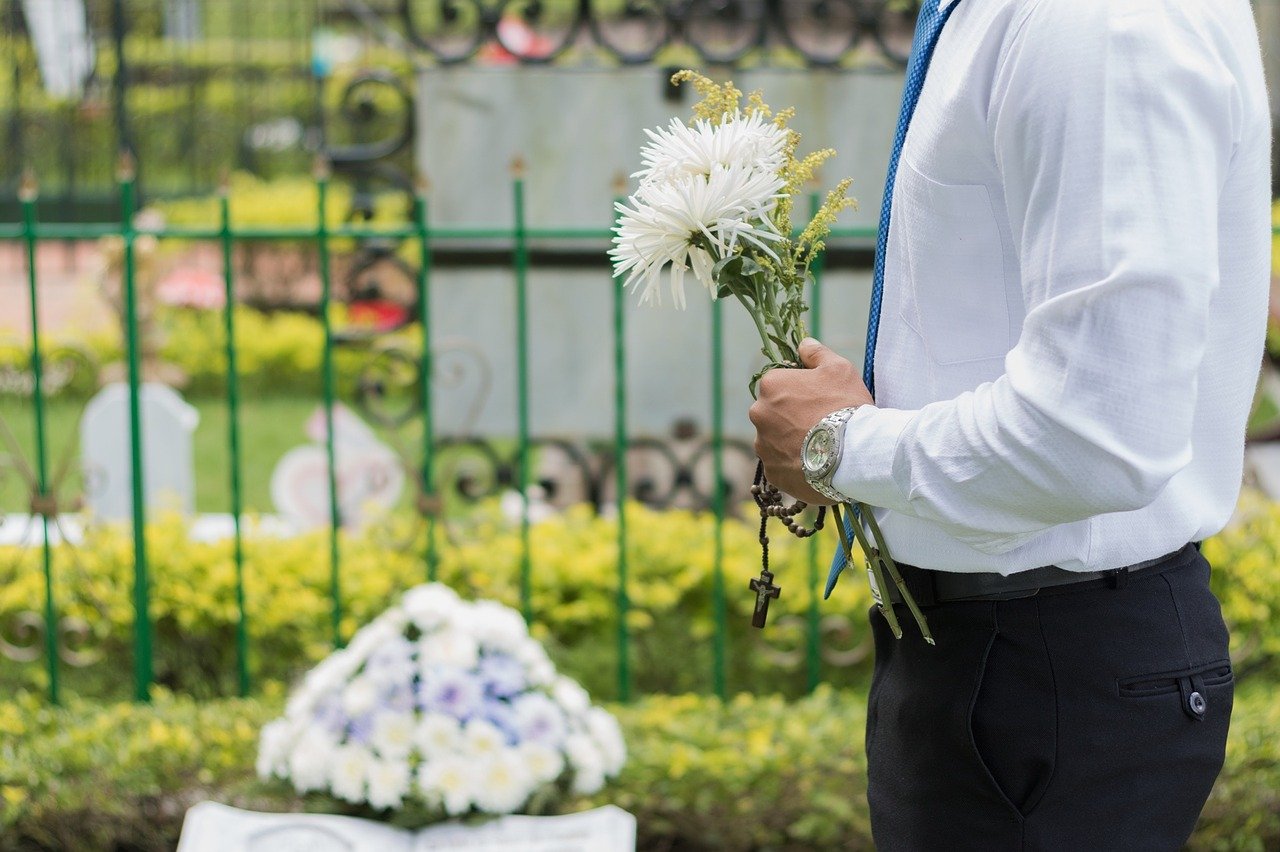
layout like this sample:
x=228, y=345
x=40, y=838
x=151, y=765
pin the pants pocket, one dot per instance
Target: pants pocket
x=1192, y=687
x=1013, y=720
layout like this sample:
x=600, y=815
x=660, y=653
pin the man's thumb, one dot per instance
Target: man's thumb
x=814, y=354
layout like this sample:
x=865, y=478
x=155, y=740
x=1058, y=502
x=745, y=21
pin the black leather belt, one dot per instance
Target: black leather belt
x=934, y=587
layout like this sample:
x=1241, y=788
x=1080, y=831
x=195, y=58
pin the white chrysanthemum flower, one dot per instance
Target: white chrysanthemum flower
x=438, y=734
x=327, y=676
x=570, y=695
x=497, y=627
x=348, y=772
x=505, y=782
x=449, y=648
x=543, y=762
x=607, y=734
x=273, y=747
x=539, y=719
x=432, y=605
x=587, y=762
x=450, y=780
x=393, y=735
x=369, y=638
x=482, y=740
x=679, y=149
x=310, y=758
x=388, y=783
x=692, y=222
x=539, y=669
x=392, y=664
x=360, y=696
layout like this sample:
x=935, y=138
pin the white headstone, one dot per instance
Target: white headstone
x=168, y=460
x=211, y=827
x=369, y=474
x=64, y=49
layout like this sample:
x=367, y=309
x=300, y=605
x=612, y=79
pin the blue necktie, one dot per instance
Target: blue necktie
x=929, y=26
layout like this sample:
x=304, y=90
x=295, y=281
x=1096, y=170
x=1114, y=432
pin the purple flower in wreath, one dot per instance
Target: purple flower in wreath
x=451, y=691
x=503, y=676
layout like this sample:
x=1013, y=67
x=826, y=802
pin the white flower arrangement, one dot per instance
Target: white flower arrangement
x=444, y=708
x=716, y=198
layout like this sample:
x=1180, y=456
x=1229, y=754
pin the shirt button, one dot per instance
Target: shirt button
x=1197, y=703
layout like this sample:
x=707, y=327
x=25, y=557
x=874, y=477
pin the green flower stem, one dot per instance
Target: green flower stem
x=843, y=529
x=769, y=351
x=883, y=550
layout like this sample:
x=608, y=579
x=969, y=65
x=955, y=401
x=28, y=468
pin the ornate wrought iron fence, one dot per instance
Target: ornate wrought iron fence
x=247, y=84
x=396, y=385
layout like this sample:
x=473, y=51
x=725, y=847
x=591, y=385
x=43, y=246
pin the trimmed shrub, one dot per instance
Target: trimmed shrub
x=751, y=773
x=574, y=583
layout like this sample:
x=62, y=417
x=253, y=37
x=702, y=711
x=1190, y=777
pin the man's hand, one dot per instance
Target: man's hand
x=791, y=402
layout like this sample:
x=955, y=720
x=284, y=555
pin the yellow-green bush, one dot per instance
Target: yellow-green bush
x=752, y=773
x=279, y=352
x=1246, y=579
x=574, y=584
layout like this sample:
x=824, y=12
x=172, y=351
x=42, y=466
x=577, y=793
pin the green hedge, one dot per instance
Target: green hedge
x=574, y=597
x=751, y=773
x=277, y=353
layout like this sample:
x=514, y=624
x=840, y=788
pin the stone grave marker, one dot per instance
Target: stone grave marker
x=168, y=460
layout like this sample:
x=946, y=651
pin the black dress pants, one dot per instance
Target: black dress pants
x=1081, y=718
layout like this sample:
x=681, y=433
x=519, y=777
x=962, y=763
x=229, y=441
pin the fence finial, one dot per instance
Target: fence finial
x=421, y=184
x=126, y=166
x=224, y=182
x=320, y=168
x=517, y=167
x=619, y=184
x=28, y=186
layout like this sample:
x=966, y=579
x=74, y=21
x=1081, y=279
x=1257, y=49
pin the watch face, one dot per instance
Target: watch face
x=818, y=452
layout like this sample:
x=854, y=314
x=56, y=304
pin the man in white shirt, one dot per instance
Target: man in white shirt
x=1075, y=286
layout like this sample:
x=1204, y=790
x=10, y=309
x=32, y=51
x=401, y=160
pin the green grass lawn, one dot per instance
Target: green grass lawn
x=270, y=427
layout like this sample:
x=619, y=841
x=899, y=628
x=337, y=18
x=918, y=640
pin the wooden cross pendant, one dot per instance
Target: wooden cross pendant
x=765, y=589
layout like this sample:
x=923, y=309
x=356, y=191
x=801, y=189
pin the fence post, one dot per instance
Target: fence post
x=620, y=468
x=522, y=385
x=432, y=504
x=120, y=83
x=326, y=292
x=814, y=644
x=142, y=667
x=41, y=502
x=717, y=489
x=233, y=434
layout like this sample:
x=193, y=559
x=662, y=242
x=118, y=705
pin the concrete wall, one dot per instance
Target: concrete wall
x=571, y=349
x=577, y=130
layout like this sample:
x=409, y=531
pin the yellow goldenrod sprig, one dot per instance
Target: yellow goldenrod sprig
x=810, y=243
x=718, y=100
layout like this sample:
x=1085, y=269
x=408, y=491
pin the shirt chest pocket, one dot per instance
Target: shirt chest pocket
x=954, y=292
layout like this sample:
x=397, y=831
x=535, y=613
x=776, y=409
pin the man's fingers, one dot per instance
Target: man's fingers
x=814, y=354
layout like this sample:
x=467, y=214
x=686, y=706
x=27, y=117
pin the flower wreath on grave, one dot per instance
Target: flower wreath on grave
x=441, y=708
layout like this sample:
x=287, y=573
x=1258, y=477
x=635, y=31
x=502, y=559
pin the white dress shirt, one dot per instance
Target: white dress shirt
x=1076, y=287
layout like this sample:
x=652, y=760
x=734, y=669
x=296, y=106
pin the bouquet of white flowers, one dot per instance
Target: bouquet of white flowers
x=715, y=199
x=442, y=708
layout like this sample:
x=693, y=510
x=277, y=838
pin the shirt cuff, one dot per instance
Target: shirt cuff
x=865, y=473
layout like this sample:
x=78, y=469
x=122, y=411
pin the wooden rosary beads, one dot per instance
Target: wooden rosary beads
x=769, y=499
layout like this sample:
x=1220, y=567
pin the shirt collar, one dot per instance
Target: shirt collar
x=945, y=4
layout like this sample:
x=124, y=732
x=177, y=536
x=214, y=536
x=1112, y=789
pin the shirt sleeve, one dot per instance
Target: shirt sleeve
x=1112, y=126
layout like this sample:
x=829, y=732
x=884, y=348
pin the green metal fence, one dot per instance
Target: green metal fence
x=30, y=232
x=517, y=236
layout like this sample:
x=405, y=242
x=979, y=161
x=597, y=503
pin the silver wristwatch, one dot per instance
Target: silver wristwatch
x=821, y=452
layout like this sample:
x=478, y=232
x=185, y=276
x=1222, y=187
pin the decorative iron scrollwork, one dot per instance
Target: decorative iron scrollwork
x=823, y=32
x=23, y=640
